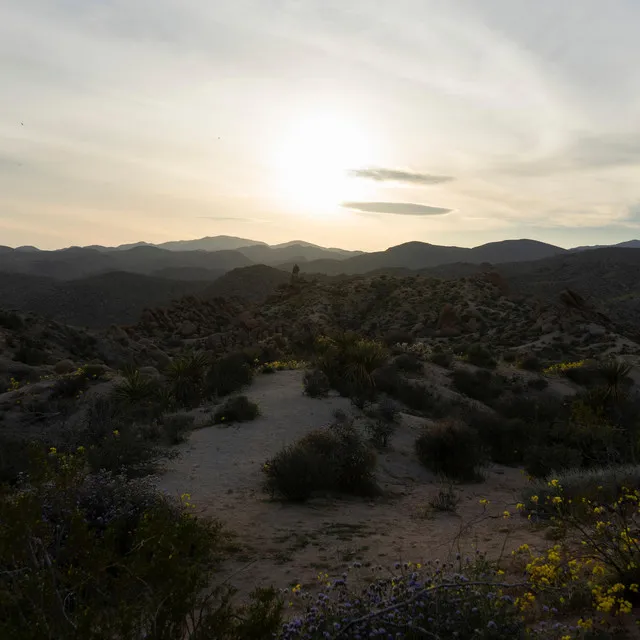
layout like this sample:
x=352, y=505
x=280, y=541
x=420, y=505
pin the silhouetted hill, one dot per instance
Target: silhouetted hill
x=293, y=252
x=77, y=262
x=420, y=255
x=96, y=301
x=254, y=284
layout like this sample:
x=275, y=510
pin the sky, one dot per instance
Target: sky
x=352, y=123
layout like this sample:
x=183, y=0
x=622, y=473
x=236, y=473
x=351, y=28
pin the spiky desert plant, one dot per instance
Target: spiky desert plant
x=614, y=372
x=186, y=377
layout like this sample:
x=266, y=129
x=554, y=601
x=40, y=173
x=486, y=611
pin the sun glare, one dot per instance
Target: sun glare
x=313, y=164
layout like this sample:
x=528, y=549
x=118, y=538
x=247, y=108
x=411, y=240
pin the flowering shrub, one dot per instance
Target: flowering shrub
x=281, y=365
x=562, y=367
x=465, y=599
x=607, y=530
x=97, y=556
x=420, y=349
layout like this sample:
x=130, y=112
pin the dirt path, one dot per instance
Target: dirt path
x=290, y=543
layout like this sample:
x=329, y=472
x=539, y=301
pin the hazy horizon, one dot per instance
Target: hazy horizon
x=342, y=124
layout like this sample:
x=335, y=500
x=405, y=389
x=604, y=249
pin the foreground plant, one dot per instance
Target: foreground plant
x=99, y=556
x=465, y=599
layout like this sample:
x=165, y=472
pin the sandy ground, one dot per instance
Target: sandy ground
x=285, y=544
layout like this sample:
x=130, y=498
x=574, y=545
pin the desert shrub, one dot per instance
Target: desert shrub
x=99, y=556
x=127, y=448
x=229, y=375
x=72, y=385
x=480, y=385
x=585, y=375
x=530, y=362
x=480, y=356
x=538, y=384
x=387, y=410
x=14, y=458
x=336, y=459
x=94, y=371
x=505, y=439
x=413, y=395
x=607, y=531
x=11, y=321
x=186, y=378
x=509, y=356
x=541, y=460
x=575, y=486
x=30, y=352
x=458, y=600
x=176, y=426
x=141, y=397
x=397, y=336
x=446, y=500
x=349, y=363
x=409, y=363
x=452, y=449
x=442, y=359
x=380, y=431
x=236, y=409
x=316, y=384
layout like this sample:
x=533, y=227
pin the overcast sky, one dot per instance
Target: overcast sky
x=354, y=123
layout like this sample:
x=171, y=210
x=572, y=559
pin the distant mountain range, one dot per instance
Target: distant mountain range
x=97, y=286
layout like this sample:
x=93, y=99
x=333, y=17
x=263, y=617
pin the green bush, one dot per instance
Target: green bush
x=31, y=352
x=11, y=321
x=541, y=460
x=505, y=439
x=530, y=363
x=446, y=500
x=452, y=449
x=409, y=363
x=176, y=426
x=316, y=384
x=599, y=485
x=413, y=395
x=114, y=442
x=229, y=375
x=538, y=384
x=442, y=359
x=186, y=378
x=236, y=409
x=480, y=385
x=99, y=556
x=72, y=385
x=141, y=397
x=349, y=362
x=336, y=459
x=478, y=355
x=397, y=336
x=94, y=371
x=14, y=458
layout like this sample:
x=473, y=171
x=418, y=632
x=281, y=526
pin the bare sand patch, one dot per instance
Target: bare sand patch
x=288, y=543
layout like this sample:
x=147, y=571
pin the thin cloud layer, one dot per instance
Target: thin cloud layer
x=396, y=208
x=396, y=175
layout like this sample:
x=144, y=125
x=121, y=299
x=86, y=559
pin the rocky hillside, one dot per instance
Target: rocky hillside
x=478, y=308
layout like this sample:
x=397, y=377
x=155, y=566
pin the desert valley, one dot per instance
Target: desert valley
x=333, y=413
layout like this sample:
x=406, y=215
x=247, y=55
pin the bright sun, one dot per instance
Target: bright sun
x=313, y=164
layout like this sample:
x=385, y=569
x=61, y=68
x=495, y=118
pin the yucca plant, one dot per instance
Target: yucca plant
x=186, y=377
x=614, y=373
